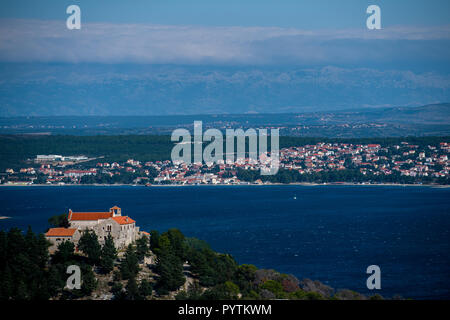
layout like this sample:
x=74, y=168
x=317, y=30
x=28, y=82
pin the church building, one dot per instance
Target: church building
x=123, y=229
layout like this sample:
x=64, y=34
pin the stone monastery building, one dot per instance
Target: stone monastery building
x=123, y=229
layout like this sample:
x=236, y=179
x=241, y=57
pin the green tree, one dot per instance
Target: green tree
x=194, y=292
x=129, y=267
x=90, y=246
x=145, y=288
x=21, y=291
x=55, y=282
x=154, y=240
x=7, y=283
x=132, y=290
x=275, y=287
x=224, y=291
x=170, y=270
x=59, y=221
x=177, y=243
x=89, y=283
x=117, y=291
x=108, y=255
x=64, y=252
x=41, y=253
x=142, y=248
x=245, y=277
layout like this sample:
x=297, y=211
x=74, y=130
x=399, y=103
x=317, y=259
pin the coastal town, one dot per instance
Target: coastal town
x=331, y=162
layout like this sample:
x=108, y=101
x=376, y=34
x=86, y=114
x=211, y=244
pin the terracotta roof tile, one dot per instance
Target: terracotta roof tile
x=60, y=232
x=75, y=216
x=123, y=220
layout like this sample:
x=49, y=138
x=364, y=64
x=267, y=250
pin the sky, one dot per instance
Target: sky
x=305, y=14
x=318, y=42
x=415, y=34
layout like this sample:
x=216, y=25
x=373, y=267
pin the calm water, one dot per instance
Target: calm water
x=328, y=233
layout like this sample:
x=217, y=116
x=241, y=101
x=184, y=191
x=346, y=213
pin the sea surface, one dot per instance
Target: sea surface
x=326, y=233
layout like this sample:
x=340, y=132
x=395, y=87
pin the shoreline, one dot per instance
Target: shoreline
x=304, y=184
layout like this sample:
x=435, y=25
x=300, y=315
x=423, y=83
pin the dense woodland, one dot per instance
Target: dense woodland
x=28, y=272
x=348, y=176
x=16, y=149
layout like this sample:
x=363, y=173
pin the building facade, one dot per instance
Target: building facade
x=122, y=229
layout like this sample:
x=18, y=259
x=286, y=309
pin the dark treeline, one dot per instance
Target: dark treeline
x=383, y=141
x=24, y=272
x=217, y=276
x=123, y=178
x=348, y=176
x=16, y=149
x=29, y=272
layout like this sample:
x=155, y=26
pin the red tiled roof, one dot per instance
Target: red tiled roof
x=123, y=220
x=74, y=216
x=60, y=232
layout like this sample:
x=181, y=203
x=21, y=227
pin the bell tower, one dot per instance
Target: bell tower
x=116, y=211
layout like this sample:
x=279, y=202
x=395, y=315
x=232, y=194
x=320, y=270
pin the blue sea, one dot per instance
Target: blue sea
x=326, y=233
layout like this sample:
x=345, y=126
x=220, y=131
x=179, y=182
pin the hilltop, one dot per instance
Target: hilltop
x=433, y=119
x=168, y=266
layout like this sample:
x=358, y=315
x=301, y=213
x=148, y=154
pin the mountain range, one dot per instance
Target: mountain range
x=425, y=120
x=37, y=89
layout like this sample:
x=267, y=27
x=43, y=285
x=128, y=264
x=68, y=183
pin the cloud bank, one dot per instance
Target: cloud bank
x=51, y=41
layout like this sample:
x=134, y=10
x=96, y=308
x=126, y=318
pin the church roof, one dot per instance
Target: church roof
x=123, y=220
x=76, y=216
x=60, y=232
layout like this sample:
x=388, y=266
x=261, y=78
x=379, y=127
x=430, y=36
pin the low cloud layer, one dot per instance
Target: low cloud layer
x=51, y=41
x=154, y=69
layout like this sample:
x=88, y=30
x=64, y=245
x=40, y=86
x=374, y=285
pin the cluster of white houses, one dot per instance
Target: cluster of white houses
x=123, y=229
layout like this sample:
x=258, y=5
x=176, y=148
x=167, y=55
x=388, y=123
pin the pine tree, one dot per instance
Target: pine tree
x=54, y=283
x=108, y=255
x=154, y=240
x=3, y=250
x=170, y=270
x=177, y=243
x=30, y=242
x=142, y=248
x=132, y=290
x=117, y=291
x=16, y=244
x=7, y=283
x=42, y=246
x=64, y=252
x=21, y=291
x=129, y=266
x=60, y=221
x=89, y=283
x=145, y=288
x=90, y=246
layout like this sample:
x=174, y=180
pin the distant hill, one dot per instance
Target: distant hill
x=429, y=114
x=367, y=122
x=36, y=89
